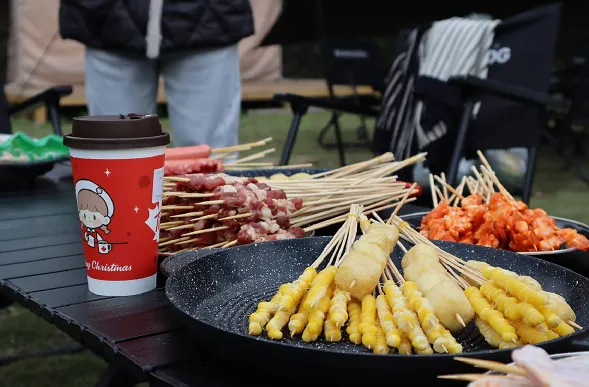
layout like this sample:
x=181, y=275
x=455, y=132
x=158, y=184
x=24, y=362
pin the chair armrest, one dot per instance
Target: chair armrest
x=343, y=104
x=478, y=86
x=49, y=96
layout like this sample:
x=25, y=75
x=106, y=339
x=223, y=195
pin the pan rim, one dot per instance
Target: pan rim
x=276, y=344
x=532, y=253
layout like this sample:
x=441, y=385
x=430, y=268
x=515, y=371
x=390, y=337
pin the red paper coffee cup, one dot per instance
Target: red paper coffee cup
x=118, y=170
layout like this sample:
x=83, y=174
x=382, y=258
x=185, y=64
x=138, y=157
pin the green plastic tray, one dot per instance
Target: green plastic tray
x=21, y=148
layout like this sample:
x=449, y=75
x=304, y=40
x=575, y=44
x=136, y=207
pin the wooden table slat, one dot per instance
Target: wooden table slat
x=139, y=357
x=40, y=241
x=130, y=327
x=51, y=281
x=37, y=209
x=56, y=298
x=46, y=266
x=89, y=313
x=33, y=227
x=41, y=253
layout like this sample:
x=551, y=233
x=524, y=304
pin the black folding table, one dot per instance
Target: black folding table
x=42, y=268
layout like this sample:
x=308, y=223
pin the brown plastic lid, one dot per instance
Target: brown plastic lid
x=116, y=132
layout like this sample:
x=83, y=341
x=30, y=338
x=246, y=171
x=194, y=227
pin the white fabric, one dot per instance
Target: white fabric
x=455, y=46
x=153, y=38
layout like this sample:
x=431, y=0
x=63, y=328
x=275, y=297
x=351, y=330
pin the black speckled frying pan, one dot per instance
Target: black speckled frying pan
x=215, y=294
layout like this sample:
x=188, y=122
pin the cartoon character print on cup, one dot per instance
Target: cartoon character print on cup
x=95, y=209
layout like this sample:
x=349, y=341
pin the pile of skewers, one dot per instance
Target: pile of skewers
x=492, y=218
x=217, y=210
x=509, y=309
x=360, y=290
x=532, y=367
x=204, y=159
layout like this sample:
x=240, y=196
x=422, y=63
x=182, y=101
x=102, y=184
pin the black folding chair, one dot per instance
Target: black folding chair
x=348, y=63
x=351, y=63
x=513, y=98
x=50, y=98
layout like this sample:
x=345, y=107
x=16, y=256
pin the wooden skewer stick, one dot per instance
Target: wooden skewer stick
x=403, y=200
x=237, y=148
x=467, y=377
x=492, y=365
x=444, y=187
x=211, y=216
x=221, y=156
x=188, y=214
x=460, y=320
x=175, y=207
x=206, y=230
x=459, y=189
x=493, y=177
x=239, y=216
x=182, y=227
x=221, y=244
x=230, y=244
x=173, y=241
x=188, y=241
x=449, y=187
x=293, y=166
x=339, y=219
x=174, y=223
x=575, y=325
x=384, y=157
x=191, y=195
x=433, y=189
x=251, y=157
x=210, y=203
x=248, y=165
x=311, y=212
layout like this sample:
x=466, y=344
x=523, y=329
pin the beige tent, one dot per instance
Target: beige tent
x=38, y=58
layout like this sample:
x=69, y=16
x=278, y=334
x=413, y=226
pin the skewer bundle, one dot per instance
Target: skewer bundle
x=384, y=311
x=511, y=310
x=203, y=159
x=490, y=216
x=324, y=302
x=217, y=210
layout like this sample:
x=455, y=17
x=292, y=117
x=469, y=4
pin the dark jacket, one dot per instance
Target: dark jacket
x=121, y=25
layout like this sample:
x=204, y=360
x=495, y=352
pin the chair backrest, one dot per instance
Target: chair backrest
x=4, y=116
x=522, y=54
x=573, y=83
x=353, y=62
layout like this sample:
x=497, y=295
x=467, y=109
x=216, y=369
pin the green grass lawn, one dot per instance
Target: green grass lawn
x=556, y=190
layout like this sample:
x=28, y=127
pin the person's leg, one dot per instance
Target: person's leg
x=117, y=84
x=203, y=92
